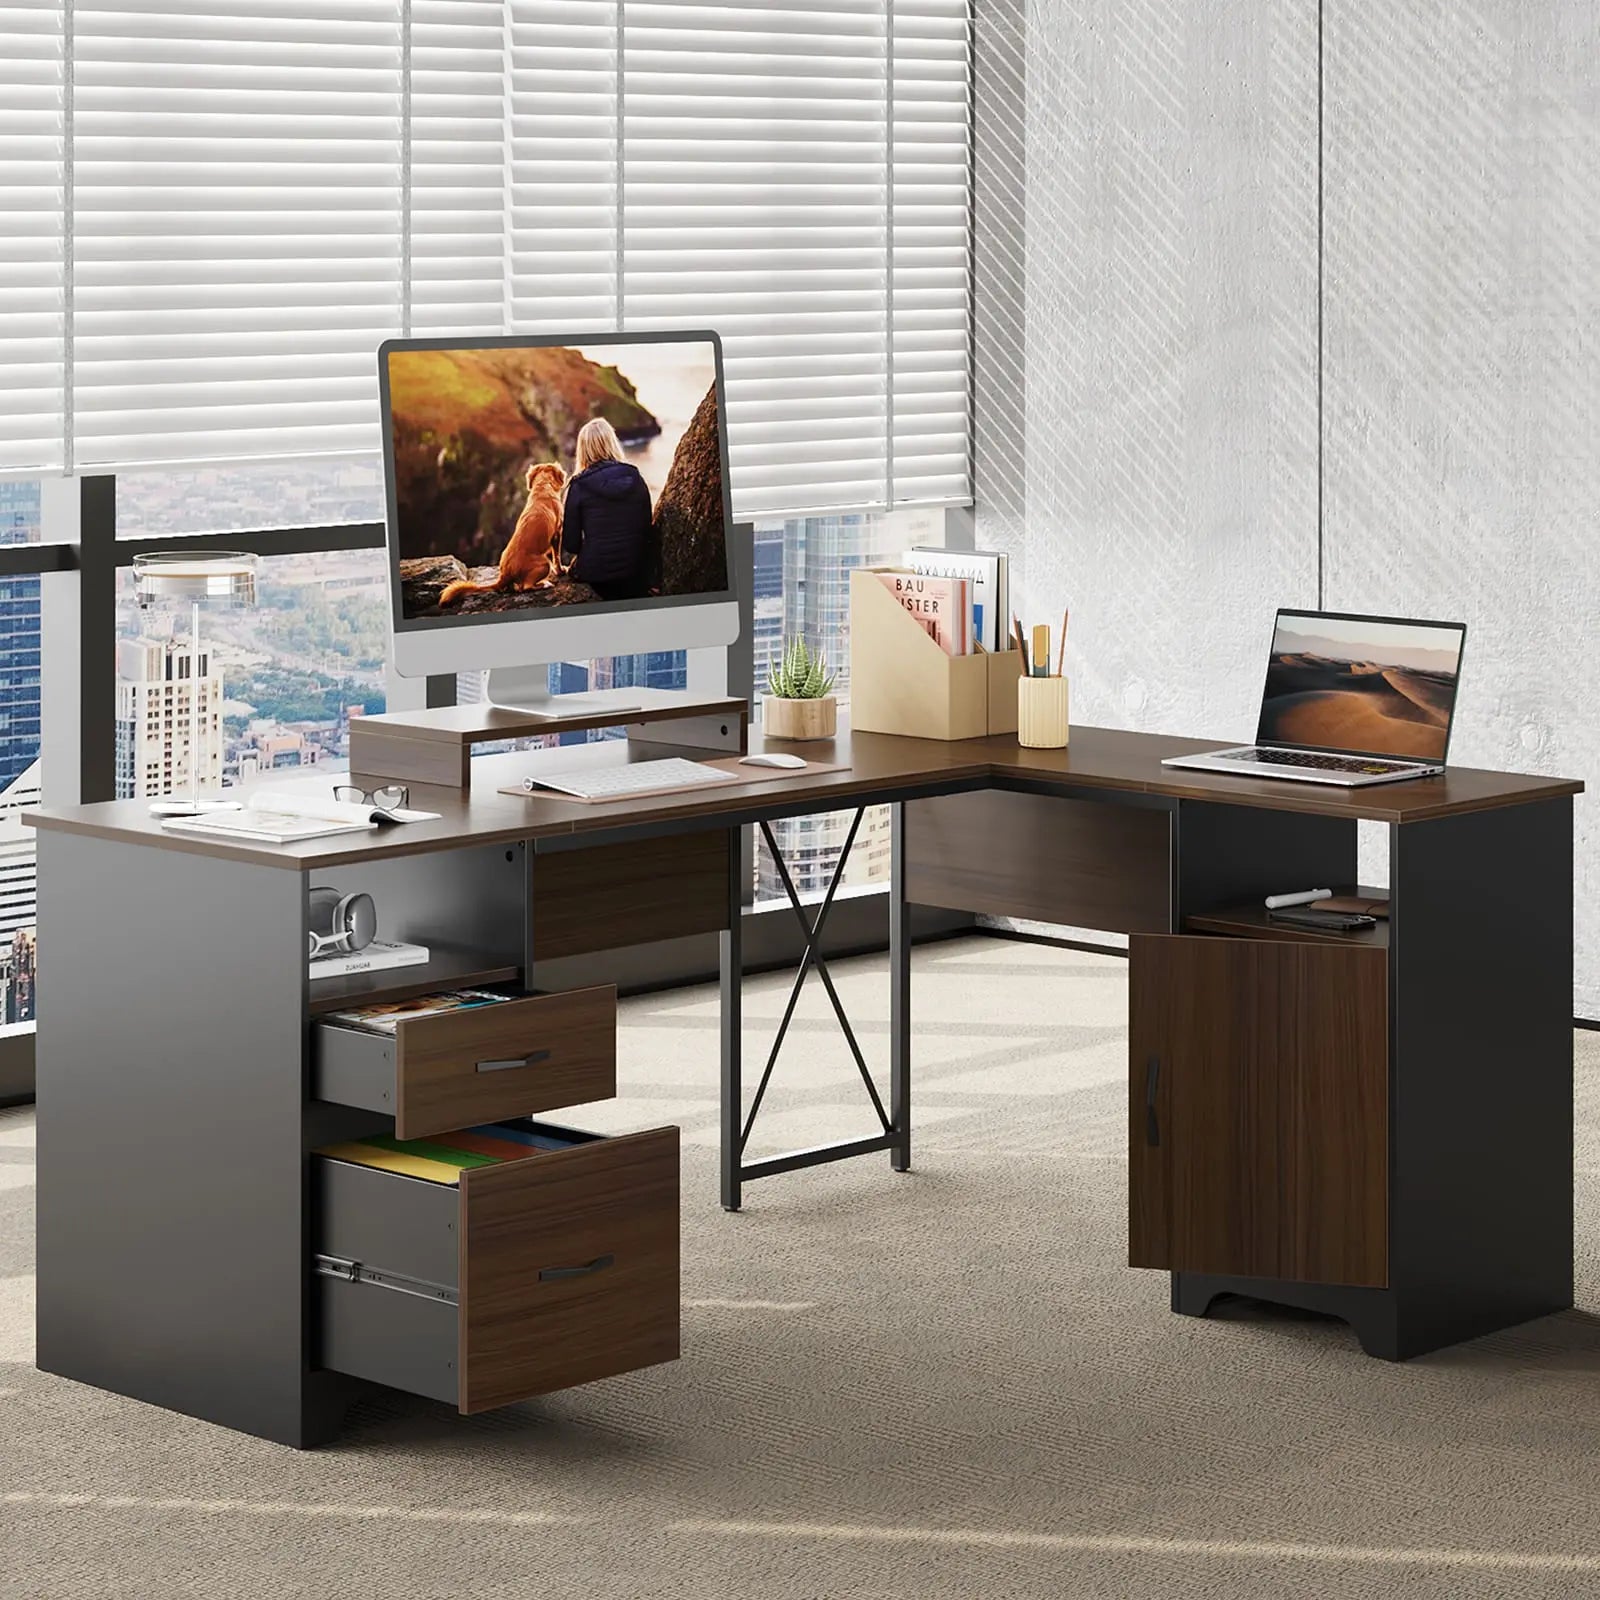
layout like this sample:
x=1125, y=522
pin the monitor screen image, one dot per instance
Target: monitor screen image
x=530, y=477
x=1362, y=685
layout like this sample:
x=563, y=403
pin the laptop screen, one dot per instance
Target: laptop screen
x=1361, y=685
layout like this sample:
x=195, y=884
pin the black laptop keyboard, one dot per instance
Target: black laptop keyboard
x=1322, y=763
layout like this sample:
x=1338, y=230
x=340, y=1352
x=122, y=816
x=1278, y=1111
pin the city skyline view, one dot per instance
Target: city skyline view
x=19, y=759
x=288, y=675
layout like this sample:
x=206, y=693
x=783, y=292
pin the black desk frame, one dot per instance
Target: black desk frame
x=1478, y=963
x=737, y=1123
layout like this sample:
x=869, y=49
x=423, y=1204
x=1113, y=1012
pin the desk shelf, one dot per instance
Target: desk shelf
x=445, y=969
x=1252, y=921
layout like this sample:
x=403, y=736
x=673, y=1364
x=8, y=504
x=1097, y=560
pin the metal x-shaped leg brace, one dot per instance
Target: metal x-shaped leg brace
x=736, y=1124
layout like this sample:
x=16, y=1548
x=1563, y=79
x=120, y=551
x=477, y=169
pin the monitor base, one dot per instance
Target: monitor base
x=527, y=689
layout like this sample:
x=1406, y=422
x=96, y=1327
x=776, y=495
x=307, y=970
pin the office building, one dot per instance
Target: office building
x=803, y=590
x=767, y=610
x=18, y=892
x=156, y=679
x=21, y=960
x=19, y=636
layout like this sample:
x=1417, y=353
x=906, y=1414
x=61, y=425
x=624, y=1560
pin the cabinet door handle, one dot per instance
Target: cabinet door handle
x=588, y=1269
x=531, y=1060
x=1152, y=1077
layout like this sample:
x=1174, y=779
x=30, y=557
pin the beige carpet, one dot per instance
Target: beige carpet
x=943, y=1384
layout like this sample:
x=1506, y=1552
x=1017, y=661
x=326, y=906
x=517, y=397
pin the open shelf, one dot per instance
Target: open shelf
x=445, y=969
x=1251, y=921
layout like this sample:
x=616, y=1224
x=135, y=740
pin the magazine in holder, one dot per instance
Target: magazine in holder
x=902, y=682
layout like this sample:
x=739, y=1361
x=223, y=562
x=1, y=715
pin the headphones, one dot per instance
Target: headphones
x=341, y=923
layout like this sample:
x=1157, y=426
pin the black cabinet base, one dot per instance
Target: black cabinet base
x=1389, y=1325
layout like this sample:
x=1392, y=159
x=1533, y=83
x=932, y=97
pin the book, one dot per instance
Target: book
x=943, y=606
x=261, y=826
x=288, y=815
x=378, y=956
x=988, y=573
x=385, y=1016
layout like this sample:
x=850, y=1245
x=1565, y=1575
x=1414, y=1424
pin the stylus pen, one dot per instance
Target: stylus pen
x=1276, y=902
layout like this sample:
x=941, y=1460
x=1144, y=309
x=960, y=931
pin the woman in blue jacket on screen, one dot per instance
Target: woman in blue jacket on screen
x=606, y=530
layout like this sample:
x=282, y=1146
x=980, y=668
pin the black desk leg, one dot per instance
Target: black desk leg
x=731, y=954
x=737, y=1123
x=899, y=995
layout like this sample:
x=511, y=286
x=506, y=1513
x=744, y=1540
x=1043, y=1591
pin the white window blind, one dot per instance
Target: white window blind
x=230, y=205
x=561, y=165
x=32, y=243
x=930, y=314
x=456, y=177
x=795, y=175
x=236, y=226
x=755, y=202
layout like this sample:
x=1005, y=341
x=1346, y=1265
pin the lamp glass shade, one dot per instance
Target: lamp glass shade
x=224, y=578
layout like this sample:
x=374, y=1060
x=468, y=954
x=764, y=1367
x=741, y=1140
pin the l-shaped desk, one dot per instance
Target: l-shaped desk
x=1377, y=1126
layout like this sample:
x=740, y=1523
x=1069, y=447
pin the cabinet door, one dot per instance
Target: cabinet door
x=1259, y=1092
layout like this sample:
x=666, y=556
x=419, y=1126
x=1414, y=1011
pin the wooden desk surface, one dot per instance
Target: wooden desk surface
x=880, y=765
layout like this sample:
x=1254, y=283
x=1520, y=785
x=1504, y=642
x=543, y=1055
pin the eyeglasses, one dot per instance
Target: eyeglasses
x=388, y=799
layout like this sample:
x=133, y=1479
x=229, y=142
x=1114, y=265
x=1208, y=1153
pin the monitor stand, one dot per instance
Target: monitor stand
x=527, y=689
x=435, y=746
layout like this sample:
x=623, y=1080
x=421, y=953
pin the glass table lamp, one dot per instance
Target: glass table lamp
x=221, y=578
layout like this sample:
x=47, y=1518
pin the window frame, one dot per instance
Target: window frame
x=78, y=559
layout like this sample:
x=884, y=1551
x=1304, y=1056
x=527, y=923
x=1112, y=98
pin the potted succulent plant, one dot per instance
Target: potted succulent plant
x=798, y=704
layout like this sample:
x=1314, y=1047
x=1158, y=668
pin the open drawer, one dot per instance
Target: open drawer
x=522, y=1277
x=458, y=1068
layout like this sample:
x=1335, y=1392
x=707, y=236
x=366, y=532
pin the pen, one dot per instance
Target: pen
x=1276, y=902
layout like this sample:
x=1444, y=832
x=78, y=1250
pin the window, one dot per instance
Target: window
x=802, y=586
x=252, y=495
x=216, y=212
x=222, y=211
x=19, y=759
x=285, y=678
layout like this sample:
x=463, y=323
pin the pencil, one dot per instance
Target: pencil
x=1061, y=654
x=1016, y=630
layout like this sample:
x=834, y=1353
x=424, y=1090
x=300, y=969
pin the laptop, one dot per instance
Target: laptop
x=1350, y=700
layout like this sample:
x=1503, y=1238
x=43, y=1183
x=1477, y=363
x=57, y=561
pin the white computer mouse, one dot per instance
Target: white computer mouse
x=771, y=760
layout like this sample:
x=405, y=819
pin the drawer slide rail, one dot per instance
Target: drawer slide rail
x=359, y=1272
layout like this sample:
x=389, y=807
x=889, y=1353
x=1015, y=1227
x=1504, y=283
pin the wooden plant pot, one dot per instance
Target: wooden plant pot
x=800, y=719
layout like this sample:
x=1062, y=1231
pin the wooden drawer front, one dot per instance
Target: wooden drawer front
x=608, y=896
x=1079, y=863
x=550, y=1271
x=1259, y=1109
x=464, y=1067
x=569, y=1268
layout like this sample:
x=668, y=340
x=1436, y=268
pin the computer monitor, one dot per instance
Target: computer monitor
x=554, y=498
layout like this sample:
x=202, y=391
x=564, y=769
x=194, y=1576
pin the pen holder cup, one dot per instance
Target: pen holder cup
x=1042, y=713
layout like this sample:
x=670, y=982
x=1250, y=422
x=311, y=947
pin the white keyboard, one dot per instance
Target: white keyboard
x=638, y=777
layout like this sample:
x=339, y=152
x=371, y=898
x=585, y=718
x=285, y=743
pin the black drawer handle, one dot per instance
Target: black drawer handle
x=531, y=1060
x=588, y=1269
x=1152, y=1077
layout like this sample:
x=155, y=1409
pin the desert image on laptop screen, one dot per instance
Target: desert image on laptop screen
x=1374, y=687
